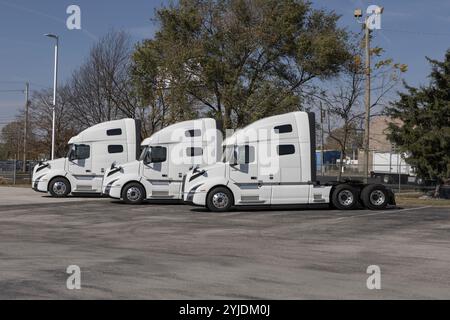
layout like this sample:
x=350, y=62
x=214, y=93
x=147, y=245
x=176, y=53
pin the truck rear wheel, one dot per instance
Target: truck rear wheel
x=344, y=197
x=375, y=197
x=59, y=187
x=133, y=193
x=220, y=199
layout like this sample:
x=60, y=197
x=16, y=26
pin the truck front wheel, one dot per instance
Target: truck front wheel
x=59, y=187
x=375, y=197
x=220, y=199
x=344, y=197
x=133, y=193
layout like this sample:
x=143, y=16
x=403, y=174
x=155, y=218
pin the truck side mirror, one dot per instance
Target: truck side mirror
x=72, y=154
x=148, y=158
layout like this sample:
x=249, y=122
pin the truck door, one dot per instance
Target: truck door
x=184, y=156
x=288, y=187
x=244, y=174
x=80, y=167
x=156, y=171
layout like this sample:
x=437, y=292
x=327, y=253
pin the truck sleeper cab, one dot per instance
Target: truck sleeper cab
x=166, y=157
x=90, y=153
x=272, y=162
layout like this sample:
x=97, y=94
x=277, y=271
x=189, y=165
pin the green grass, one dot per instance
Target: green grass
x=413, y=199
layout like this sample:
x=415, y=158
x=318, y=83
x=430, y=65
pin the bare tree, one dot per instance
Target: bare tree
x=41, y=122
x=102, y=89
x=343, y=100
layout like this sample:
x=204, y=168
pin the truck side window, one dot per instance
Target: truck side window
x=193, y=133
x=158, y=154
x=246, y=154
x=194, y=152
x=283, y=129
x=115, y=149
x=114, y=132
x=286, y=149
x=82, y=152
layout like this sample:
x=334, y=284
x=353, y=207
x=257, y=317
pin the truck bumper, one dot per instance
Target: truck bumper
x=195, y=198
x=112, y=192
x=40, y=186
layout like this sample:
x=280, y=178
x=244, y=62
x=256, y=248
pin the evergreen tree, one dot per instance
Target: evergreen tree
x=425, y=130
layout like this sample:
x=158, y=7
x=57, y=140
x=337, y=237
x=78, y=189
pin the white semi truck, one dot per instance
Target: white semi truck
x=272, y=162
x=90, y=154
x=166, y=157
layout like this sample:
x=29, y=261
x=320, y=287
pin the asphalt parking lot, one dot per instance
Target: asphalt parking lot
x=169, y=251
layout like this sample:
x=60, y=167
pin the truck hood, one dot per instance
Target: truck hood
x=46, y=166
x=197, y=175
x=213, y=167
x=131, y=167
x=116, y=171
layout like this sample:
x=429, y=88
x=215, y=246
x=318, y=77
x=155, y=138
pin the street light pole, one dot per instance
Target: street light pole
x=25, y=133
x=367, y=103
x=55, y=88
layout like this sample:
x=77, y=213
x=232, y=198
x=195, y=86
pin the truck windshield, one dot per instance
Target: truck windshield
x=228, y=154
x=144, y=151
x=70, y=150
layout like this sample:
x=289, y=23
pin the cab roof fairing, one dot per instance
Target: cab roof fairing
x=174, y=132
x=255, y=131
x=98, y=132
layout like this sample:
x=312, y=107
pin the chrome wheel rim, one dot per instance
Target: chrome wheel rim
x=377, y=197
x=346, y=198
x=59, y=188
x=220, y=200
x=134, y=194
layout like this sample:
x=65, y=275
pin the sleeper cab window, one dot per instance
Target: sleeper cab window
x=194, y=152
x=114, y=132
x=115, y=149
x=193, y=133
x=285, y=149
x=286, y=128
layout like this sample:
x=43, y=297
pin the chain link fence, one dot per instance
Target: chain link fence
x=11, y=172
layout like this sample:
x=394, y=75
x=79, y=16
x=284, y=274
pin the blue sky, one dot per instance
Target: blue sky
x=410, y=31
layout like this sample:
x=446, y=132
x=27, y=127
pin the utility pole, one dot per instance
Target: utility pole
x=322, y=169
x=25, y=130
x=371, y=21
x=367, y=102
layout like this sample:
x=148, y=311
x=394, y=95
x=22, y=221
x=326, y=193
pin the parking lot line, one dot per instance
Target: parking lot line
x=380, y=212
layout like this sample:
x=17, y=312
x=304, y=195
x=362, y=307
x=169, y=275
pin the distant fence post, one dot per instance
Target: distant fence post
x=14, y=171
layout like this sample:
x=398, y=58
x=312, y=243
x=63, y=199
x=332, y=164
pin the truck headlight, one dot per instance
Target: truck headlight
x=197, y=174
x=114, y=171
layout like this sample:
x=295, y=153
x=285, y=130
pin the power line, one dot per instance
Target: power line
x=12, y=91
x=419, y=32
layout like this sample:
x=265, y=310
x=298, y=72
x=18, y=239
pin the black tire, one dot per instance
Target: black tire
x=59, y=187
x=375, y=197
x=133, y=193
x=219, y=199
x=345, y=197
